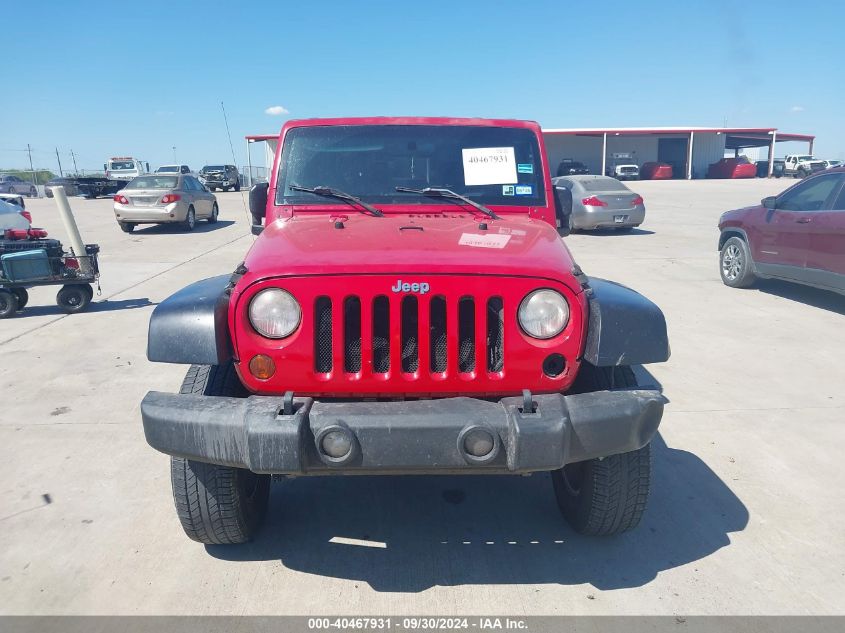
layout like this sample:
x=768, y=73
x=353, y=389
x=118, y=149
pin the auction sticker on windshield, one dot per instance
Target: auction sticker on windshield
x=489, y=166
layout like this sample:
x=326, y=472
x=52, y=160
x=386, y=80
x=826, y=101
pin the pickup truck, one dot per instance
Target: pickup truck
x=408, y=307
x=622, y=166
x=802, y=165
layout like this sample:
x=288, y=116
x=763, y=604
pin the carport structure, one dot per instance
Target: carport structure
x=690, y=150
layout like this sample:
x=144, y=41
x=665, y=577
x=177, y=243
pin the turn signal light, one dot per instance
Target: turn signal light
x=121, y=199
x=170, y=197
x=593, y=201
x=262, y=367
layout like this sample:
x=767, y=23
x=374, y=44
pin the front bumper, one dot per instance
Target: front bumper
x=424, y=436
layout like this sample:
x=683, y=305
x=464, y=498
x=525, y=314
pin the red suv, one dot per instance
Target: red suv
x=797, y=236
x=407, y=308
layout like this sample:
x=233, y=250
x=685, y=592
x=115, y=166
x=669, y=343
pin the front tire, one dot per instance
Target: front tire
x=735, y=266
x=604, y=496
x=217, y=505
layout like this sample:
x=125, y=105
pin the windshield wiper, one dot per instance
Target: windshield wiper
x=342, y=195
x=440, y=192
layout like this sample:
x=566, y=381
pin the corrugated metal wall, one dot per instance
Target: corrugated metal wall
x=708, y=147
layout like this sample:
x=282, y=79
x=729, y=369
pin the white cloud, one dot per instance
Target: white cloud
x=276, y=111
x=796, y=109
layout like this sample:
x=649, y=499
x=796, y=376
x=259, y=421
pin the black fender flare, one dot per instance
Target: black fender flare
x=191, y=326
x=624, y=328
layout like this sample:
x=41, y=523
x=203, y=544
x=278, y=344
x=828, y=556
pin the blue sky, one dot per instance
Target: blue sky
x=103, y=79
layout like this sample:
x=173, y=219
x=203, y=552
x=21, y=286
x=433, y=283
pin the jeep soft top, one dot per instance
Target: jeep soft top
x=408, y=307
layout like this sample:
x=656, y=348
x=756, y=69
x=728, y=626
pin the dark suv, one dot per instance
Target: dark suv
x=569, y=167
x=797, y=236
x=223, y=177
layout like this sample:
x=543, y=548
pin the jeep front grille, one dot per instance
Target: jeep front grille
x=422, y=332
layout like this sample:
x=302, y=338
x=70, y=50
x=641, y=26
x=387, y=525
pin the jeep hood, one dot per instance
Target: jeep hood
x=434, y=243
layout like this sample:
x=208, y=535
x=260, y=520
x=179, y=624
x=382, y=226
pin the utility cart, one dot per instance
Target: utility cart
x=26, y=263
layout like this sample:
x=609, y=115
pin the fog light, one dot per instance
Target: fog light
x=336, y=444
x=262, y=367
x=478, y=442
x=553, y=365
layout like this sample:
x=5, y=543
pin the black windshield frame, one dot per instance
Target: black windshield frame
x=369, y=161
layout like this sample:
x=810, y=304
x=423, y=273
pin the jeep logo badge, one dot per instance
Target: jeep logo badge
x=406, y=287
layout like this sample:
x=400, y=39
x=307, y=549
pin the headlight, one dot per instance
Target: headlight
x=543, y=314
x=274, y=313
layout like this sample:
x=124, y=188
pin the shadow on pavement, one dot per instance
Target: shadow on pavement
x=424, y=531
x=814, y=297
x=612, y=232
x=106, y=305
x=200, y=227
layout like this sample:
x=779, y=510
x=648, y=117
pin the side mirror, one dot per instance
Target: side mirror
x=258, y=205
x=769, y=202
x=563, y=209
x=105, y=167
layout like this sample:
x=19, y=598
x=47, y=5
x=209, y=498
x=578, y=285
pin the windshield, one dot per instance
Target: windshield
x=490, y=165
x=807, y=157
x=153, y=182
x=121, y=165
x=601, y=183
x=209, y=168
x=168, y=169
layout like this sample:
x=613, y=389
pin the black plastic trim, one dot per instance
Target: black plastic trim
x=403, y=436
x=625, y=328
x=190, y=327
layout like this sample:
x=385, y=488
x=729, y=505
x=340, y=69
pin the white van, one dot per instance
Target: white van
x=125, y=168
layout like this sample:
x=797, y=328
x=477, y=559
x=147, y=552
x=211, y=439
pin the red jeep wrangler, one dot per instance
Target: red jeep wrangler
x=408, y=308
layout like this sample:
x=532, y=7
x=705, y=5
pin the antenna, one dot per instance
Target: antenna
x=235, y=160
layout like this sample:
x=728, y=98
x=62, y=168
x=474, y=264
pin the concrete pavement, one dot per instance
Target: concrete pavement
x=746, y=509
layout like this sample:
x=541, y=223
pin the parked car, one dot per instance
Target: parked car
x=622, y=166
x=13, y=217
x=797, y=236
x=601, y=202
x=656, y=171
x=763, y=168
x=125, y=168
x=378, y=334
x=174, y=169
x=569, y=167
x=830, y=164
x=13, y=198
x=732, y=168
x=223, y=177
x=802, y=165
x=163, y=199
x=10, y=183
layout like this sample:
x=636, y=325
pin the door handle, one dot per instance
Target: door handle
x=804, y=220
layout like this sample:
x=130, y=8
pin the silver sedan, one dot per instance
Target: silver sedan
x=601, y=202
x=163, y=198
